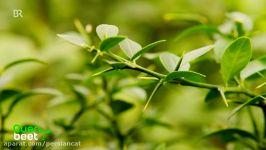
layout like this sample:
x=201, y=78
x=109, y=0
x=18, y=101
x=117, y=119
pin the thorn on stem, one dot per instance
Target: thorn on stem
x=223, y=96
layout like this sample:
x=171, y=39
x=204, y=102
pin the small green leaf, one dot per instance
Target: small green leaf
x=235, y=58
x=130, y=48
x=194, y=54
x=252, y=68
x=253, y=101
x=188, y=75
x=169, y=61
x=20, y=61
x=110, y=42
x=119, y=106
x=146, y=48
x=231, y=135
x=199, y=28
x=184, y=67
x=105, y=31
x=73, y=38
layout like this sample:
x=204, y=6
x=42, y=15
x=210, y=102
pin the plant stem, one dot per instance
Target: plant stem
x=185, y=82
x=194, y=84
x=141, y=69
x=134, y=66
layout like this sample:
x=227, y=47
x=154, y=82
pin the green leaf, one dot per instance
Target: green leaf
x=188, y=75
x=73, y=38
x=231, y=135
x=235, y=58
x=194, y=54
x=253, y=101
x=252, y=68
x=129, y=47
x=20, y=61
x=146, y=49
x=105, y=31
x=219, y=48
x=199, y=28
x=184, y=67
x=119, y=106
x=169, y=61
x=8, y=93
x=110, y=42
x=39, y=91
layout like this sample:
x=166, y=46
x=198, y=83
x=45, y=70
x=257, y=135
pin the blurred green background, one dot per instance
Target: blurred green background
x=144, y=21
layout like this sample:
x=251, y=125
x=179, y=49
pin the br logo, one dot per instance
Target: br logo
x=17, y=13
